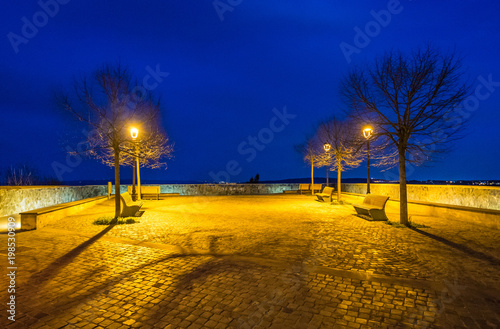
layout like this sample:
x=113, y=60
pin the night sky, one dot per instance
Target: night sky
x=231, y=70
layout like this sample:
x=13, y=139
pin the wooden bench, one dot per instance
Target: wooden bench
x=316, y=188
x=373, y=206
x=130, y=208
x=147, y=191
x=304, y=188
x=327, y=193
x=38, y=218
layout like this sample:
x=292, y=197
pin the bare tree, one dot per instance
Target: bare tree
x=311, y=153
x=111, y=102
x=345, y=152
x=152, y=150
x=23, y=174
x=412, y=100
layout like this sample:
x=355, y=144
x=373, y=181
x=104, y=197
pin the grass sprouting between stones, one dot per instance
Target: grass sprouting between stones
x=410, y=224
x=341, y=202
x=110, y=220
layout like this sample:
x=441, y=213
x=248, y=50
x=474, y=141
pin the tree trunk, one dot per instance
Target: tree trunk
x=403, y=198
x=339, y=186
x=117, y=183
x=327, y=184
x=312, y=173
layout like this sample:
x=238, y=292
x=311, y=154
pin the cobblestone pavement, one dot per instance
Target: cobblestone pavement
x=281, y=261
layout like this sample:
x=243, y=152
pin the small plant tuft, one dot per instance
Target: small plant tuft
x=111, y=220
x=410, y=224
x=395, y=224
x=341, y=202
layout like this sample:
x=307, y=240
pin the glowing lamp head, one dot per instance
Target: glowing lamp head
x=134, y=132
x=367, y=132
x=327, y=147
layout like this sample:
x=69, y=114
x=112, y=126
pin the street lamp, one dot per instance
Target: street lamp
x=327, y=148
x=134, y=132
x=368, y=132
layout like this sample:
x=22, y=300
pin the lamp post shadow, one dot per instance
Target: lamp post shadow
x=469, y=251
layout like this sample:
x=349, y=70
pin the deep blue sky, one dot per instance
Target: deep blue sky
x=226, y=76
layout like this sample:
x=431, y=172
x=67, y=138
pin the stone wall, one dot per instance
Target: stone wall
x=16, y=200
x=450, y=213
x=487, y=197
x=222, y=189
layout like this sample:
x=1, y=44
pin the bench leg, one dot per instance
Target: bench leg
x=361, y=211
x=130, y=211
x=378, y=214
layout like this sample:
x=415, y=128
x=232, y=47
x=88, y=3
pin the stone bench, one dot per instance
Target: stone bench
x=38, y=218
x=129, y=207
x=325, y=194
x=373, y=206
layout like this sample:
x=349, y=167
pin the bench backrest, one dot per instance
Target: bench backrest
x=126, y=198
x=376, y=200
x=304, y=187
x=316, y=187
x=328, y=190
x=150, y=189
x=146, y=189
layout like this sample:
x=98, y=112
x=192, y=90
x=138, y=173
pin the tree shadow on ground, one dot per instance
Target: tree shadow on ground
x=81, y=295
x=273, y=299
x=38, y=279
x=469, y=251
x=64, y=303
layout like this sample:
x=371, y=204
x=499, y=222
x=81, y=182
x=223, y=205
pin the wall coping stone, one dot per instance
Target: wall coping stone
x=440, y=205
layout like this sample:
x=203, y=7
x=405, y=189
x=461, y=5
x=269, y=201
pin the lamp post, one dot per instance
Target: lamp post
x=134, y=132
x=367, y=132
x=327, y=148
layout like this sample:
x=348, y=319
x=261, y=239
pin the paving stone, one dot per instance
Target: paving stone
x=255, y=270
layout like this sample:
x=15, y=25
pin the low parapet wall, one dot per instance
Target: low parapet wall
x=227, y=189
x=485, y=197
x=16, y=200
x=221, y=189
x=479, y=216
